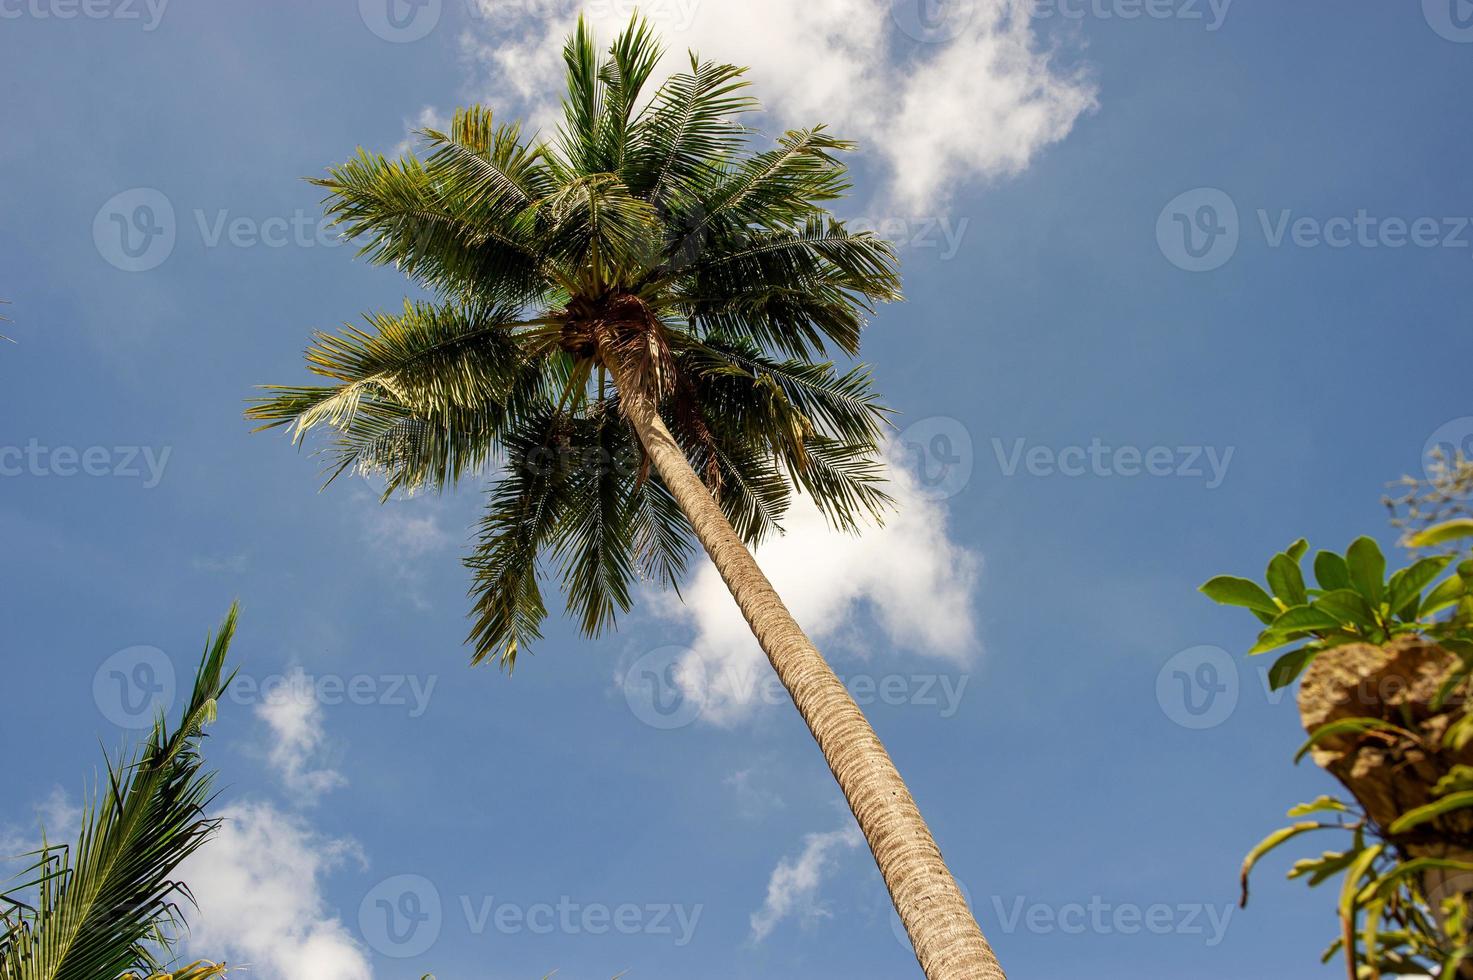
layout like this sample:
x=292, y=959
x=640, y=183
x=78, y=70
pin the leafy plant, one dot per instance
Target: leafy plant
x=108, y=905
x=1353, y=601
x=1398, y=914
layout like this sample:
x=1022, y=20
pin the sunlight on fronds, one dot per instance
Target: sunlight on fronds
x=109, y=905
x=647, y=250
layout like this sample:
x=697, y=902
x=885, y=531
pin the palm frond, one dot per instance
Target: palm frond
x=648, y=241
x=108, y=905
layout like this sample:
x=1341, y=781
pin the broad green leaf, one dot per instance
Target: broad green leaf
x=1448, y=592
x=1331, y=571
x=1303, y=619
x=1231, y=591
x=1443, y=533
x=1286, y=669
x=1269, y=843
x=1407, y=584
x=1425, y=814
x=1367, y=569
x=1286, y=580
x=1346, y=606
x=1297, y=551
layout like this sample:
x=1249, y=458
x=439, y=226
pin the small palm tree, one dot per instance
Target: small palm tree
x=635, y=317
x=108, y=906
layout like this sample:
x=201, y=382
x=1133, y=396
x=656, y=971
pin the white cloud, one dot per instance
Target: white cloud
x=402, y=531
x=978, y=103
x=259, y=894
x=753, y=799
x=792, y=891
x=297, y=740
x=909, y=575
x=428, y=118
x=60, y=816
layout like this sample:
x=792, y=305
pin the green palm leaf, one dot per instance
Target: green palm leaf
x=108, y=906
x=647, y=240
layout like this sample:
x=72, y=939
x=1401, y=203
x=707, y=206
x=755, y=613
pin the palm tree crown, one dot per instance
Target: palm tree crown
x=646, y=246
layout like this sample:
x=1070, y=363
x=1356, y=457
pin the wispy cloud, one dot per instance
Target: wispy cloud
x=914, y=580
x=793, y=889
x=753, y=798
x=403, y=533
x=298, y=737
x=975, y=101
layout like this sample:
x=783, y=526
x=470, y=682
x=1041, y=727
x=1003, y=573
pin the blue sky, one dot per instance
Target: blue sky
x=1182, y=287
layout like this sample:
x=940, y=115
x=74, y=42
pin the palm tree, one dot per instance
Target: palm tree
x=633, y=318
x=108, y=906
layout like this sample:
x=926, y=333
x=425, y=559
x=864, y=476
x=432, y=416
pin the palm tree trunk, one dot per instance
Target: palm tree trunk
x=947, y=940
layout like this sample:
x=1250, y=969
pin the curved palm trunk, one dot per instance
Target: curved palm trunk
x=945, y=935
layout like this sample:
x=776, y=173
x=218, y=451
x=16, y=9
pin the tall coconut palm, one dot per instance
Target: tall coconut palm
x=633, y=317
x=109, y=906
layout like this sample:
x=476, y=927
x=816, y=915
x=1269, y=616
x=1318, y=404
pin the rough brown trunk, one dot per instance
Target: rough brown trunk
x=947, y=940
x=1397, y=683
